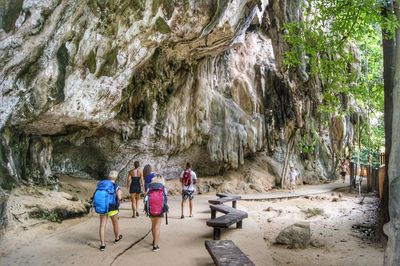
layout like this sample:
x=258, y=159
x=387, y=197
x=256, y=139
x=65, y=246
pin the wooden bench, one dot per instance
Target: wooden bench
x=232, y=215
x=225, y=198
x=226, y=253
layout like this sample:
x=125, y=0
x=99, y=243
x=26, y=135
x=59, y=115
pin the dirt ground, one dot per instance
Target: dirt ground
x=342, y=231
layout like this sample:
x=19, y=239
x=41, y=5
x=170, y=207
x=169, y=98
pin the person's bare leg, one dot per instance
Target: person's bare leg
x=182, y=205
x=157, y=227
x=137, y=203
x=153, y=226
x=133, y=201
x=114, y=220
x=190, y=208
x=103, y=222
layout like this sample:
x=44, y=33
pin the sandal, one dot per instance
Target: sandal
x=102, y=248
x=191, y=215
x=118, y=239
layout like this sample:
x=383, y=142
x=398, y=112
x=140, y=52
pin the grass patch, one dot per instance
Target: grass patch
x=50, y=216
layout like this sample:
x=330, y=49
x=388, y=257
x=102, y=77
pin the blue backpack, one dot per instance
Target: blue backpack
x=105, y=197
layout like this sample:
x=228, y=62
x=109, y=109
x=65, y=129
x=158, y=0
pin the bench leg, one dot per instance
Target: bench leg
x=239, y=224
x=234, y=204
x=213, y=214
x=217, y=234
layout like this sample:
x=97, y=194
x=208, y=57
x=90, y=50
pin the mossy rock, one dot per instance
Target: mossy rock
x=108, y=67
x=9, y=13
x=90, y=62
x=162, y=26
x=168, y=7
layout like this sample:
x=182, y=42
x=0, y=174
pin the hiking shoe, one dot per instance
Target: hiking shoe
x=118, y=239
x=137, y=214
x=102, y=248
x=182, y=216
x=156, y=248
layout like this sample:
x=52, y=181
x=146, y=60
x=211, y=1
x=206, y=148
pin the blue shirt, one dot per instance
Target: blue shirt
x=147, y=180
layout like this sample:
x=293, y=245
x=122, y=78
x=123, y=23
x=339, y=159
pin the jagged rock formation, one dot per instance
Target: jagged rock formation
x=89, y=86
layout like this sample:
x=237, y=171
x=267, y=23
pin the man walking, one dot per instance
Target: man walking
x=292, y=176
x=188, y=179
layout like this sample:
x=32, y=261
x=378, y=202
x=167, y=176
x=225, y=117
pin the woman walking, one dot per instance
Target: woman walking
x=148, y=176
x=112, y=208
x=156, y=206
x=135, y=184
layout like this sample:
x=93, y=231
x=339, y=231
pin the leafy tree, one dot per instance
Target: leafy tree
x=339, y=42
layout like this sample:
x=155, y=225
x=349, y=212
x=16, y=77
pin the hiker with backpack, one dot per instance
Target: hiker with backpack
x=106, y=200
x=155, y=205
x=135, y=184
x=148, y=176
x=188, y=179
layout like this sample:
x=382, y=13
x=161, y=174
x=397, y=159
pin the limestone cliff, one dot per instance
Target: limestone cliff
x=89, y=86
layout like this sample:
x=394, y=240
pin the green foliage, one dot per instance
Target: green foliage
x=363, y=154
x=339, y=42
x=306, y=145
x=328, y=39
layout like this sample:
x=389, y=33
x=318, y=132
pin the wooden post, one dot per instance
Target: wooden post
x=217, y=233
x=239, y=224
x=213, y=214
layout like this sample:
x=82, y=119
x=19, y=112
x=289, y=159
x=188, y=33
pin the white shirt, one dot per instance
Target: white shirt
x=193, y=177
x=292, y=175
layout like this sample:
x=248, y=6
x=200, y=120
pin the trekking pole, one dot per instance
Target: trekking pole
x=166, y=218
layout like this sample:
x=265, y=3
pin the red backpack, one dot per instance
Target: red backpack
x=187, y=177
x=156, y=200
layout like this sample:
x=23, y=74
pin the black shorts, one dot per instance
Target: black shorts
x=343, y=174
x=187, y=194
x=157, y=216
x=135, y=186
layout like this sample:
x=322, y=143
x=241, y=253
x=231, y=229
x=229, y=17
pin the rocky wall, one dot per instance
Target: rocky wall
x=90, y=86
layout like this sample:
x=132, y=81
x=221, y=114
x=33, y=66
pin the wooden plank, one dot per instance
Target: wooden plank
x=224, y=199
x=221, y=195
x=226, y=220
x=226, y=253
x=224, y=208
x=225, y=195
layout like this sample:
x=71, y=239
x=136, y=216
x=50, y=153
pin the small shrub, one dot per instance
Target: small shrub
x=311, y=212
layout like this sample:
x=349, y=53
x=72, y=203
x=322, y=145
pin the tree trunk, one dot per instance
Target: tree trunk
x=392, y=229
x=388, y=72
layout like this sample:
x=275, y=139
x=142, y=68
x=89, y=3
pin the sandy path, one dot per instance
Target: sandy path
x=182, y=242
x=340, y=244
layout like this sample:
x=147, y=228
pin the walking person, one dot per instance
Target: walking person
x=107, y=205
x=155, y=207
x=148, y=174
x=343, y=170
x=188, y=179
x=135, y=184
x=292, y=176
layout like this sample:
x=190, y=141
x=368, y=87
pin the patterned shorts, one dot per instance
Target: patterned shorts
x=187, y=194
